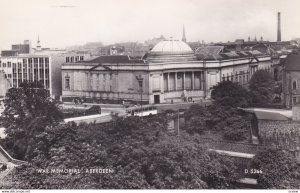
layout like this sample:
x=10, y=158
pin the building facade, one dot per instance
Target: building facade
x=37, y=67
x=291, y=80
x=170, y=72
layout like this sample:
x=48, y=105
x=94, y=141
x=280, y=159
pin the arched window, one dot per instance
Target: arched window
x=294, y=85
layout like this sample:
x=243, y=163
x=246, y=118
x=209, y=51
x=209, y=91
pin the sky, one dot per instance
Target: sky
x=61, y=23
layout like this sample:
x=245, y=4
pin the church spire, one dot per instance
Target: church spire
x=183, y=35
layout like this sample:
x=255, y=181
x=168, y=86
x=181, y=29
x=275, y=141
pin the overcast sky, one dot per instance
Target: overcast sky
x=61, y=23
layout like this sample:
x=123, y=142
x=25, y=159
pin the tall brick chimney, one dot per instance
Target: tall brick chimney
x=278, y=28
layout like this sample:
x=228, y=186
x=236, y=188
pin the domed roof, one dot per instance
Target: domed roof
x=171, y=51
x=172, y=46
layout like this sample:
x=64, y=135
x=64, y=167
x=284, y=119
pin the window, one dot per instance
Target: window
x=4, y=65
x=67, y=82
x=294, y=85
x=81, y=58
x=294, y=100
x=67, y=59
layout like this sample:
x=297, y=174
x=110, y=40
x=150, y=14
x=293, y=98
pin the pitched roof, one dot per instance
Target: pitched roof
x=116, y=59
x=292, y=62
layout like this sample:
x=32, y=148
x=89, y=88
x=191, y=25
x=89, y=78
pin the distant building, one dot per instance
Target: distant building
x=43, y=65
x=155, y=41
x=18, y=49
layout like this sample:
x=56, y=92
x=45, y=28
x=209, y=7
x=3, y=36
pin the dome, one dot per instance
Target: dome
x=172, y=46
x=171, y=51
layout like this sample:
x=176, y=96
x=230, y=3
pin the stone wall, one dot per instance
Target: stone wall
x=282, y=134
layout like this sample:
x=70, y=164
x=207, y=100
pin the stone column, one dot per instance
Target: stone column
x=175, y=80
x=168, y=82
x=183, y=80
x=193, y=80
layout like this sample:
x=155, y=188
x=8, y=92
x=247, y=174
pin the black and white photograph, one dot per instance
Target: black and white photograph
x=149, y=94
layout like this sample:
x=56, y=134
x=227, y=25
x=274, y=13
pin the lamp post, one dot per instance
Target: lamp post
x=140, y=81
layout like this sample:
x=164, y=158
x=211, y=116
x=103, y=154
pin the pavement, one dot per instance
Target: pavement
x=284, y=112
x=118, y=108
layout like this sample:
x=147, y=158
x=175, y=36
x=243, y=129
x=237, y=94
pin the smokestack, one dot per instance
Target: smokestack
x=278, y=28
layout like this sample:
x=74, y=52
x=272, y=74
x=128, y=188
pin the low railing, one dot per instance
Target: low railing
x=9, y=158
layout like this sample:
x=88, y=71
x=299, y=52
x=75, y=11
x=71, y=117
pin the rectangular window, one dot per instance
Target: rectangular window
x=294, y=100
x=4, y=65
x=81, y=58
x=197, y=80
x=67, y=83
x=67, y=59
x=41, y=60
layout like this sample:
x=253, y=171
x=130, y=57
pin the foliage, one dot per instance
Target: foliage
x=233, y=123
x=68, y=113
x=262, y=87
x=229, y=93
x=196, y=117
x=28, y=111
x=237, y=128
x=279, y=169
x=140, y=152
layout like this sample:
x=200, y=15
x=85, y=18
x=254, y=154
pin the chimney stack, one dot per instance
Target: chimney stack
x=278, y=28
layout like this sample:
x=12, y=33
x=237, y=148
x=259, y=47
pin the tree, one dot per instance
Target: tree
x=262, y=87
x=140, y=158
x=237, y=128
x=196, y=117
x=279, y=169
x=229, y=93
x=28, y=111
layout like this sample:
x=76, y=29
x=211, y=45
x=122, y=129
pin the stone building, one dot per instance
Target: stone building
x=170, y=72
x=291, y=80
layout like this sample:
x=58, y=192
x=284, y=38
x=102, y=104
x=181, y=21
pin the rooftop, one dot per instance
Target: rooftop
x=172, y=46
x=115, y=59
x=292, y=62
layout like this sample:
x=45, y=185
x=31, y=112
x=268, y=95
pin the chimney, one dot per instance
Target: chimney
x=278, y=28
